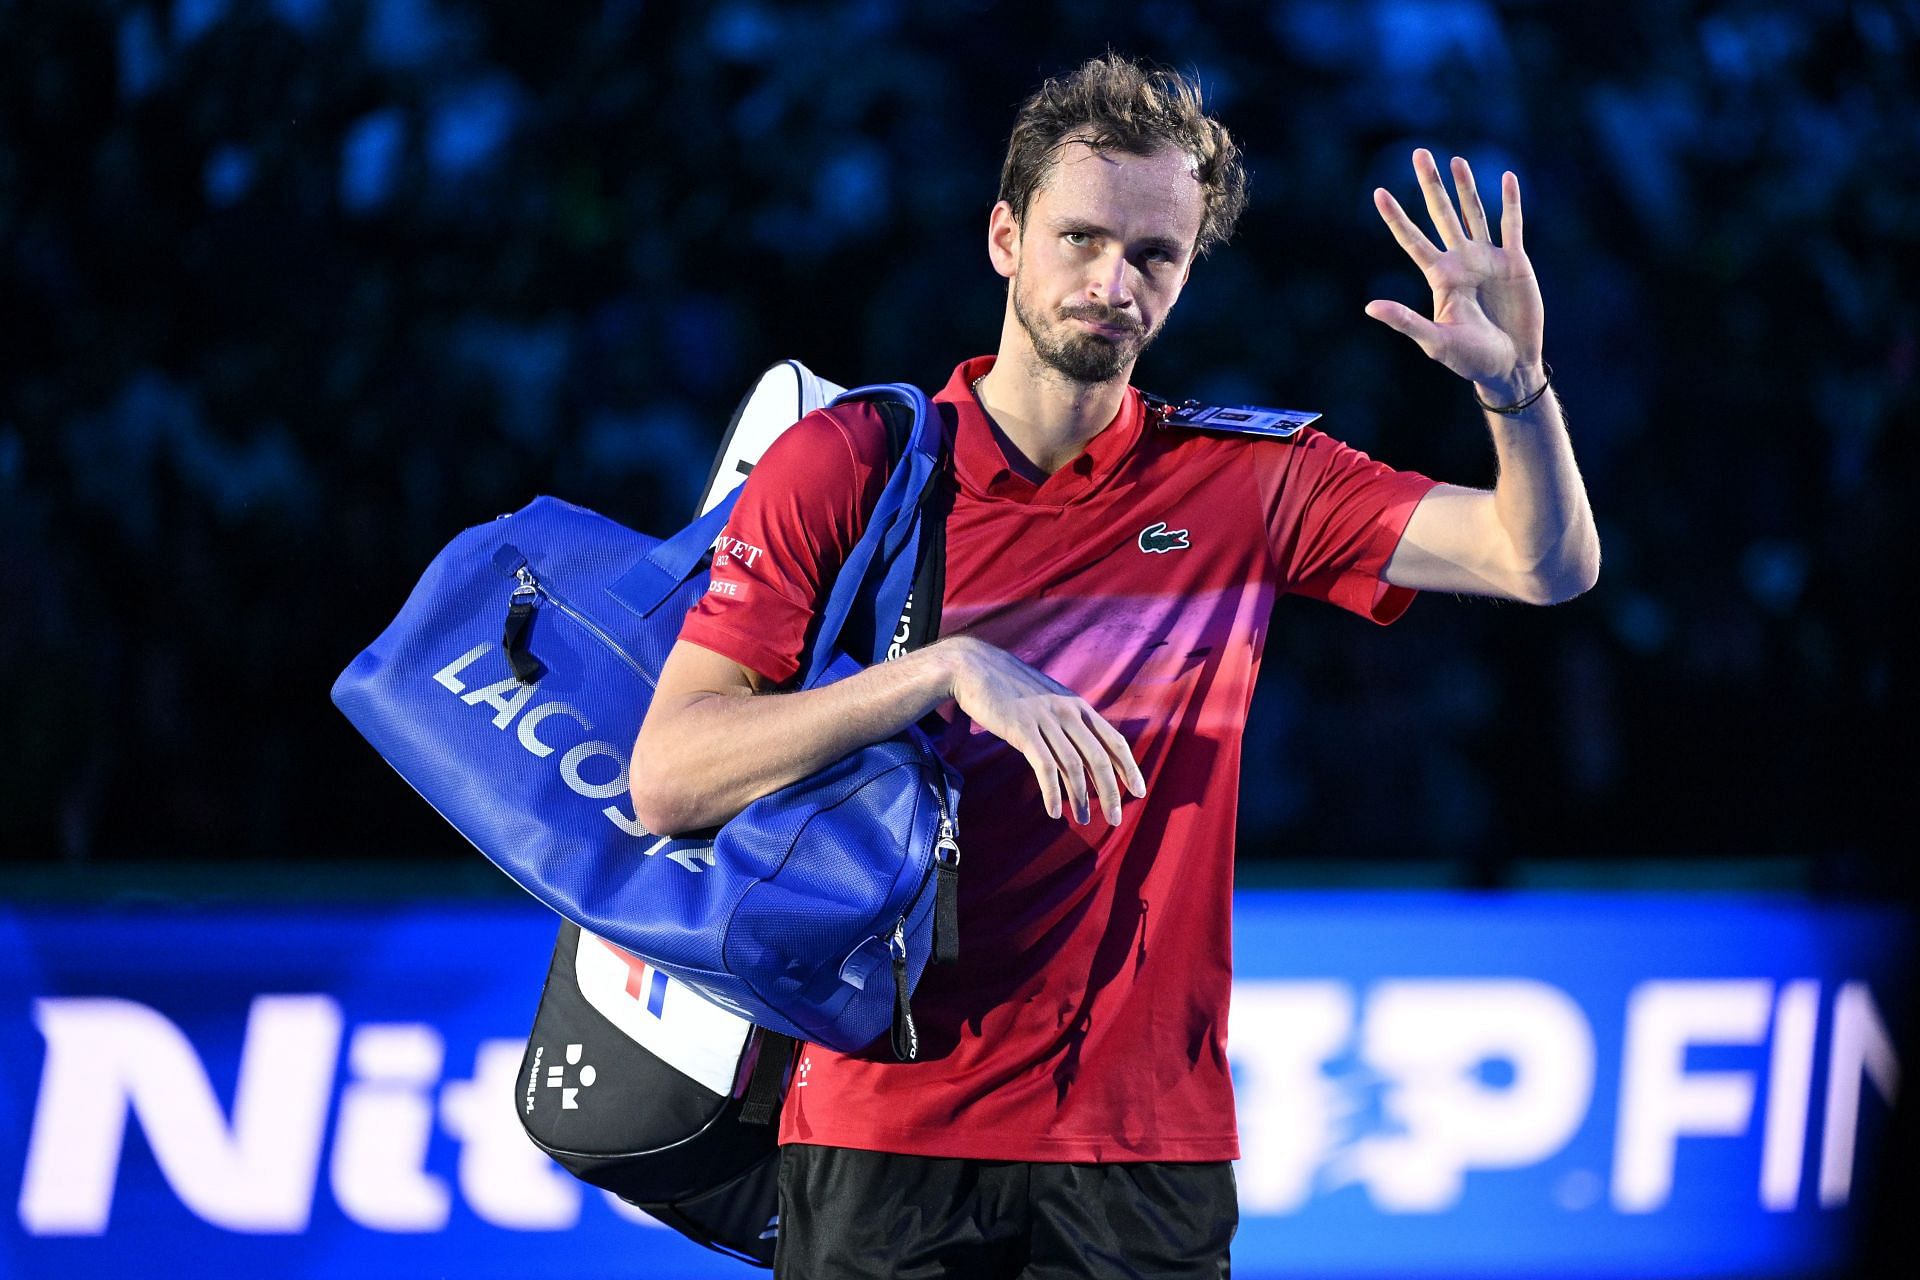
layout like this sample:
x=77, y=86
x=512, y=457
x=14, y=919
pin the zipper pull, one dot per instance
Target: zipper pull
x=526, y=667
x=906, y=1037
x=946, y=895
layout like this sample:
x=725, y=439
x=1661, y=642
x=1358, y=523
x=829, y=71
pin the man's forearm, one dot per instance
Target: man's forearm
x=704, y=757
x=1540, y=499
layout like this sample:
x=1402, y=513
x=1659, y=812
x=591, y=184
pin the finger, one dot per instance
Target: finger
x=1122, y=752
x=1439, y=204
x=1510, y=211
x=1044, y=771
x=1474, y=213
x=1403, y=319
x=1410, y=237
x=1106, y=784
x=1071, y=769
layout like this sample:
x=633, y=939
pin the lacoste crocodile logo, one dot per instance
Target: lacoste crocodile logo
x=1157, y=538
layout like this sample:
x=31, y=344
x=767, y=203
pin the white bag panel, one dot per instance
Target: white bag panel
x=785, y=393
x=698, y=1039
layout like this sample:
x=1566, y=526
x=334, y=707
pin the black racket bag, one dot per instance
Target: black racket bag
x=635, y=1084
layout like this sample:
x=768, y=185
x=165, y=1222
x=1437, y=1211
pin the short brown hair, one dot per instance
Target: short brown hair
x=1113, y=103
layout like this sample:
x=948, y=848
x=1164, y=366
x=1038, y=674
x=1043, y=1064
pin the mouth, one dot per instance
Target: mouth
x=1112, y=332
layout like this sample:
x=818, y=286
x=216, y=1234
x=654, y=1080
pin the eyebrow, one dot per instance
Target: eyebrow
x=1067, y=226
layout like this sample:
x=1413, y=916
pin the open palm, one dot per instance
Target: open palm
x=1488, y=320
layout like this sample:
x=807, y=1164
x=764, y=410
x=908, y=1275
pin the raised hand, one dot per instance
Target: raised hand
x=1488, y=320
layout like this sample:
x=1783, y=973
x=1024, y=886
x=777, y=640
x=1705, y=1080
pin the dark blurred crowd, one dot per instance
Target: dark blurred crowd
x=293, y=290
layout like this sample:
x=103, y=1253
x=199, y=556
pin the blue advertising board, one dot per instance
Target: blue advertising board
x=1558, y=1085
x=1428, y=1085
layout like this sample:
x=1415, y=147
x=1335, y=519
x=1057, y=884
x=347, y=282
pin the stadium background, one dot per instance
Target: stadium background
x=295, y=289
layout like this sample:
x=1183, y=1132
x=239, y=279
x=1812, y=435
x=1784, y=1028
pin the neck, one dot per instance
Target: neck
x=1047, y=417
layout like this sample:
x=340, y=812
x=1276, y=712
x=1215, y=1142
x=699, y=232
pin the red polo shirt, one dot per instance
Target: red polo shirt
x=1087, y=1017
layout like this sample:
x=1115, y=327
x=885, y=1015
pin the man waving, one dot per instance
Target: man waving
x=1110, y=577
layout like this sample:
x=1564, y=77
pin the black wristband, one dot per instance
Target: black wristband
x=1515, y=409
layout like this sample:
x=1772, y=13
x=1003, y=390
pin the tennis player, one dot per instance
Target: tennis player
x=1110, y=578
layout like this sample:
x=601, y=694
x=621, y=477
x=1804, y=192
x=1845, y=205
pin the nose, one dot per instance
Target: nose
x=1111, y=282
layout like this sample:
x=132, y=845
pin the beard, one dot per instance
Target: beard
x=1076, y=354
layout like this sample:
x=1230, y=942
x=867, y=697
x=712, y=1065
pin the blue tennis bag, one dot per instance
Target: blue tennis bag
x=510, y=688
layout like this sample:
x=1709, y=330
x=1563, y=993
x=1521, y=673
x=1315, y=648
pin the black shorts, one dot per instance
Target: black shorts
x=847, y=1214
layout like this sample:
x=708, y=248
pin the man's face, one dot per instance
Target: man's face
x=1102, y=257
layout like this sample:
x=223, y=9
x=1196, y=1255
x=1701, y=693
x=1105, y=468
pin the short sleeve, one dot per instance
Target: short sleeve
x=1334, y=517
x=799, y=513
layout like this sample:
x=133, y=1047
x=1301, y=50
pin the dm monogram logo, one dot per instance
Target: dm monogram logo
x=1157, y=538
x=557, y=1077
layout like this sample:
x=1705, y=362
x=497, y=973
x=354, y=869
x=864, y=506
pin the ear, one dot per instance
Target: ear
x=1003, y=239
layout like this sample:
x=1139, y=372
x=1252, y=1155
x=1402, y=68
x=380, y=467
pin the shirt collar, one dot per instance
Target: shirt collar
x=980, y=458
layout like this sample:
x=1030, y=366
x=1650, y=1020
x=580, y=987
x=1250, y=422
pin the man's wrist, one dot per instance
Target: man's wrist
x=940, y=664
x=1524, y=384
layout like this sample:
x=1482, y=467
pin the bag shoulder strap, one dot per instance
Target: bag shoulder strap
x=891, y=535
x=882, y=563
x=767, y=1083
x=652, y=582
x=919, y=619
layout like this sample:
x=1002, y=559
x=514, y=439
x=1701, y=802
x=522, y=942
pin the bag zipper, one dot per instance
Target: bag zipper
x=946, y=941
x=528, y=585
x=527, y=668
x=906, y=1037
